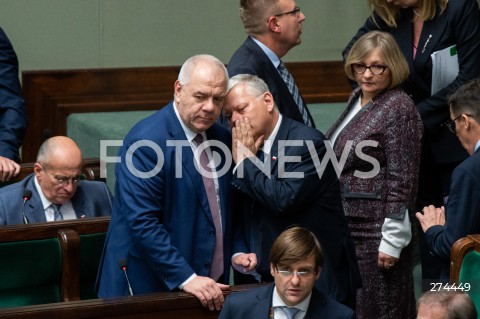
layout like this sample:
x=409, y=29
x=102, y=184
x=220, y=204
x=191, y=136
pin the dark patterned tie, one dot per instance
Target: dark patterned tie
x=57, y=214
x=292, y=87
x=216, y=269
x=290, y=312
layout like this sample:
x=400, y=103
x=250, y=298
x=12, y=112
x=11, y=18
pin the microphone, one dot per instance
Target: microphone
x=123, y=266
x=27, y=194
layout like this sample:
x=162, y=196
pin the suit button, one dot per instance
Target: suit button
x=212, y=233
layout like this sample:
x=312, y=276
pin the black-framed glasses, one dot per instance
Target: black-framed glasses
x=295, y=12
x=376, y=69
x=450, y=124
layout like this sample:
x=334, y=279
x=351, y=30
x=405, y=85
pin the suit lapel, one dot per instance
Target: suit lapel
x=176, y=133
x=282, y=136
x=34, y=207
x=78, y=203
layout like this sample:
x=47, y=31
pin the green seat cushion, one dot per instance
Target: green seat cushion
x=91, y=247
x=470, y=273
x=30, y=272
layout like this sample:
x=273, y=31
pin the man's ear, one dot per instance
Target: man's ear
x=466, y=121
x=269, y=101
x=319, y=271
x=273, y=24
x=177, y=87
x=272, y=269
x=37, y=168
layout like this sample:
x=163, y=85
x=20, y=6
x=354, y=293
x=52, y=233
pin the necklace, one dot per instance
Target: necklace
x=416, y=13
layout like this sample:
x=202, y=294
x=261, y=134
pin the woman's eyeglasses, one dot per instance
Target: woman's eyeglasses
x=376, y=69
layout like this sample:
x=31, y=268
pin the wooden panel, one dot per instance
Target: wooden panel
x=52, y=95
x=178, y=305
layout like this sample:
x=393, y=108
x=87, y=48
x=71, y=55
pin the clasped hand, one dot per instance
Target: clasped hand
x=243, y=140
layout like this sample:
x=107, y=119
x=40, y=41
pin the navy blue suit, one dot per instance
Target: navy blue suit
x=162, y=226
x=462, y=212
x=91, y=199
x=272, y=205
x=250, y=59
x=256, y=303
x=13, y=113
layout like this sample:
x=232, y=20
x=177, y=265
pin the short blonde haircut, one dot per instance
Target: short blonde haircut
x=389, y=51
x=388, y=12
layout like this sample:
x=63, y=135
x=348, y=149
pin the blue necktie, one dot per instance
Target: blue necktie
x=292, y=87
x=57, y=214
x=290, y=312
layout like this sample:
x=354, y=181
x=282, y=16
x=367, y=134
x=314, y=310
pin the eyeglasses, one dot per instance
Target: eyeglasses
x=376, y=69
x=295, y=12
x=450, y=124
x=63, y=180
x=301, y=274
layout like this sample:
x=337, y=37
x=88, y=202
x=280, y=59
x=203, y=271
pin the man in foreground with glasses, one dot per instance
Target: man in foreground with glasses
x=274, y=27
x=296, y=261
x=461, y=214
x=54, y=191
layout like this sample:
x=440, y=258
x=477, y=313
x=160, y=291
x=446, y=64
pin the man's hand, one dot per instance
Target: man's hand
x=8, y=169
x=431, y=216
x=207, y=291
x=244, y=263
x=243, y=142
x=386, y=261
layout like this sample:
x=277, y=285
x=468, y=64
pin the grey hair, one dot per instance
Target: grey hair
x=253, y=83
x=189, y=65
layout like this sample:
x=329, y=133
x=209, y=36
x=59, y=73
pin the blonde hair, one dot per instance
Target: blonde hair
x=389, y=51
x=388, y=12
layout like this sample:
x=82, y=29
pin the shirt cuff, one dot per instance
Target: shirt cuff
x=396, y=235
x=183, y=284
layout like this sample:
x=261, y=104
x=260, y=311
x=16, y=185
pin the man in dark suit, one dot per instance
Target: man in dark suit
x=56, y=191
x=166, y=225
x=274, y=27
x=13, y=113
x=294, y=189
x=461, y=214
x=296, y=261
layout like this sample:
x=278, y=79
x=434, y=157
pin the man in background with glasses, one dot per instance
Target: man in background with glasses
x=273, y=27
x=54, y=191
x=296, y=261
x=461, y=214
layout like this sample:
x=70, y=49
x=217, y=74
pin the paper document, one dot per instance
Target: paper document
x=444, y=68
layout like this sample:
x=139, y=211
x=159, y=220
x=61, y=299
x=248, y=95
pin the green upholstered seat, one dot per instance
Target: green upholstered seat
x=91, y=247
x=470, y=273
x=30, y=272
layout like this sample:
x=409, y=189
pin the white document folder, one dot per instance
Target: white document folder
x=444, y=67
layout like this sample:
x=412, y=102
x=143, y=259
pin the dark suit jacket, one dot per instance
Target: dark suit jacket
x=462, y=212
x=13, y=113
x=250, y=59
x=162, y=225
x=459, y=24
x=91, y=199
x=272, y=205
x=256, y=303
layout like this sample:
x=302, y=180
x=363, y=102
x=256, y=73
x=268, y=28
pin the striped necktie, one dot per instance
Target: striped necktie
x=292, y=87
x=290, y=312
x=57, y=214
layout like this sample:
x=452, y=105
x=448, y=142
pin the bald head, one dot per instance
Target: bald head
x=58, y=166
x=60, y=151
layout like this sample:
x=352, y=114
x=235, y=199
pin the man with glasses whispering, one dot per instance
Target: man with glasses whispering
x=273, y=27
x=296, y=261
x=54, y=192
x=461, y=214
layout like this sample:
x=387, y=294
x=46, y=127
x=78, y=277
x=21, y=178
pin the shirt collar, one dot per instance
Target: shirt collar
x=476, y=146
x=267, y=145
x=188, y=132
x=278, y=302
x=271, y=55
x=45, y=202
